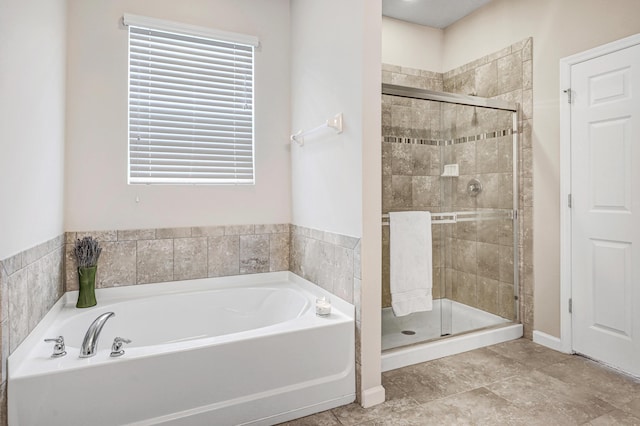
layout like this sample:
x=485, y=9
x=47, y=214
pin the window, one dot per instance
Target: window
x=190, y=104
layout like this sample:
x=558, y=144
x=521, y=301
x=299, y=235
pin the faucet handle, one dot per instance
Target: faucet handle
x=58, y=348
x=116, y=348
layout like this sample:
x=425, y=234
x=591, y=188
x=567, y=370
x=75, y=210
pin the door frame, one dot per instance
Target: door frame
x=566, y=341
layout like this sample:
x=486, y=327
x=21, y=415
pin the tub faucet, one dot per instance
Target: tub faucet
x=90, y=342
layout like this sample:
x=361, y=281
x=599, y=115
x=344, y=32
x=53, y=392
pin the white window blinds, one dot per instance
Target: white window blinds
x=190, y=108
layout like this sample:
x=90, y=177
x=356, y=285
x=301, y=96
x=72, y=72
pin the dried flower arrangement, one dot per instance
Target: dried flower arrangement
x=87, y=252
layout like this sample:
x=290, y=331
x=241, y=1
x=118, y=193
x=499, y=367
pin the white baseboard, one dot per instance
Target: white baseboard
x=547, y=340
x=373, y=396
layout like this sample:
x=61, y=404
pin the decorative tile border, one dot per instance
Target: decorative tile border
x=448, y=142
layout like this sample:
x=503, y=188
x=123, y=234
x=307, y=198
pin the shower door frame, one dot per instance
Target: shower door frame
x=497, y=104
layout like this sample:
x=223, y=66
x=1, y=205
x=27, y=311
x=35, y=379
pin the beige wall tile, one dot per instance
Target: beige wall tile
x=464, y=288
x=341, y=240
x=154, y=260
x=357, y=261
x=487, y=80
x=38, y=282
x=401, y=159
x=527, y=104
x=278, y=228
x=465, y=82
x=207, y=231
x=465, y=230
x=489, y=231
x=163, y=233
x=402, y=191
x=510, y=72
x=4, y=348
x=438, y=289
x=464, y=155
x=254, y=254
x=343, y=284
x=525, y=136
x=136, y=234
x=387, y=193
x=527, y=74
x=505, y=154
x=4, y=294
x=279, y=252
x=491, y=195
x=319, y=263
x=296, y=255
x=487, y=156
x=70, y=268
x=488, y=290
x=489, y=260
x=465, y=257
x=224, y=256
x=425, y=191
x=506, y=264
x=18, y=308
x=239, y=229
x=386, y=158
x=506, y=302
x=527, y=50
x=13, y=263
x=101, y=236
x=33, y=254
x=189, y=258
x=316, y=234
x=116, y=266
x=3, y=404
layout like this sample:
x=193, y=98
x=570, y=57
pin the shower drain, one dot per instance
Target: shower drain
x=408, y=332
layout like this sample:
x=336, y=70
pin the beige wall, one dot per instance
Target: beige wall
x=326, y=79
x=559, y=29
x=32, y=96
x=97, y=194
x=336, y=177
x=411, y=45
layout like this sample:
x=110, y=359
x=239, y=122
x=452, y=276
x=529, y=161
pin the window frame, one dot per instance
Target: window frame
x=181, y=176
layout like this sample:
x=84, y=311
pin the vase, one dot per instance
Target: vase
x=87, y=294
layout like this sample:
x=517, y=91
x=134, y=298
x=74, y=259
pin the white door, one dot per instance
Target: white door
x=605, y=185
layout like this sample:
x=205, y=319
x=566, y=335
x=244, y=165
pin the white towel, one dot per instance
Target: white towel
x=410, y=262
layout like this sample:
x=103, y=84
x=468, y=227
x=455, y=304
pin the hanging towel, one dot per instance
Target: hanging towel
x=410, y=262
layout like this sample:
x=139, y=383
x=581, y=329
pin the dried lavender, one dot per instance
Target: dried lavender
x=87, y=252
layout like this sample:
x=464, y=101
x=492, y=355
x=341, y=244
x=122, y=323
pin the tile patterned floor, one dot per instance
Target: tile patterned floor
x=513, y=383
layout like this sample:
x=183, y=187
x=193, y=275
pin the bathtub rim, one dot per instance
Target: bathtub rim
x=342, y=311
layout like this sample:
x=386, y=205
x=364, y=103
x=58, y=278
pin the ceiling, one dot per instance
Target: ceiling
x=432, y=13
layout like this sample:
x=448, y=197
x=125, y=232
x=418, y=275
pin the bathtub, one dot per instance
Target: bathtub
x=219, y=351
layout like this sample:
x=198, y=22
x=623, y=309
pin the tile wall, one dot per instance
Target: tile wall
x=30, y=284
x=476, y=258
x=144, y=256
x=331, y=261
x=411, y=172
x=506, y=75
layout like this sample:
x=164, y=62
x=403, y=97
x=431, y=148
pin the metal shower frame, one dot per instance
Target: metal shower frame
x=497, y=104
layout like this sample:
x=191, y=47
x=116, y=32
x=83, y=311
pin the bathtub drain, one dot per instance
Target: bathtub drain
x=408, y=332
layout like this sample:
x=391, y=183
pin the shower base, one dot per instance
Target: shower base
x=422, y=339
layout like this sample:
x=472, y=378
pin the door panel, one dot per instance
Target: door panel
x=605, y=182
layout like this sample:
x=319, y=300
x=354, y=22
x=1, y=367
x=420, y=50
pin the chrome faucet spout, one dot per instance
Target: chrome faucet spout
x=90, y=342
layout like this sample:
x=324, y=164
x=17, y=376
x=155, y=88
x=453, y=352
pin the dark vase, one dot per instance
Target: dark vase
x=87, y=294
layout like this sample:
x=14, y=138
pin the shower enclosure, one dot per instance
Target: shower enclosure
x=455, y=156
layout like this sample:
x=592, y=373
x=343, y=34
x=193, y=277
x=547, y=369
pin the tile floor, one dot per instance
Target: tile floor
x=513, y=383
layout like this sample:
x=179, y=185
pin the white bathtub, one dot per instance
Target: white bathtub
x=219, y=351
